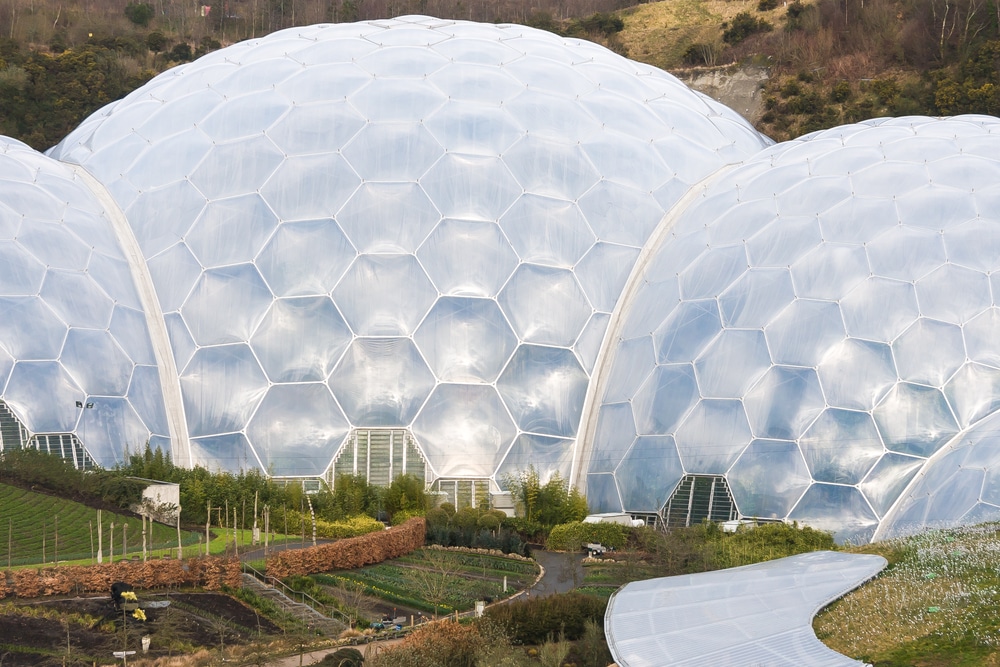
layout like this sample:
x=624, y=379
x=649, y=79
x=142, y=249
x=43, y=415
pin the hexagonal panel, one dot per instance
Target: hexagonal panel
x=548, y=456
x=544, y=388
x=756, y=297
x=381, y=382
x=318, y=127
x=619, y=214
x=111, y=430
x=49, y=243
x=713, y=272
x=97, y=364
x=830, y=271
x=664, y=399
x=915, y=420
x=712, y=436
x=464, y=430
x=156, y=232
x=841, y=446
x=297, y=429
x=981, y=333
x=306, y=257
x=310, y=187
x=732, y=363
x=545, y=305
x=633, y=360
x=388, y=217
x=221, y=386
x=905, y=253
x=880, y=309
x=888, y=479
x=467, y=258
x=616, y=431
x=42, y=394
x=768, y=479
x=77, y=299
x=973, y=392
x=953, y=294
x=229, y=452
x=547, y=231
x=912, y=360
x=226, y=305
x=686, y=331
x=471, y=187
x=841, y=510
x=29, y=328
x=803, y=333
x=465, y=340
x=237, y=168
x=856, y=374
x=784, y=403
x=648, y=473
x=551, y=169
x=392, y=151
x=300, y=340
x=384, y=295
x=231, y=231
x=603, y=273
x=21, y=274
x=174, y=272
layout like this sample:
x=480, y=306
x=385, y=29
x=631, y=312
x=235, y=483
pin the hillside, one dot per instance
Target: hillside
x=30, y=520
x=829, y=61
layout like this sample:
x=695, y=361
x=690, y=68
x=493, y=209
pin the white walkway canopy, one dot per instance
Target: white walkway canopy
x=753, y=615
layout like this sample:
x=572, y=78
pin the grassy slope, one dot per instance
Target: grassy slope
x=27, y=516
x=936, y=604
x=659, y=33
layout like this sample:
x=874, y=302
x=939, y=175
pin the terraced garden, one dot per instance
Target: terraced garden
x=29, y=520
x=433, y=580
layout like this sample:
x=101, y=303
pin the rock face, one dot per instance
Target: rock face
x=739, y=88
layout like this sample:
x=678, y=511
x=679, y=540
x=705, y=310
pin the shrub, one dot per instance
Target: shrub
x=841, y=92
x=572, y=536
x=139, y=13
x=533, y=620
x=767, y=5
x=742, y=26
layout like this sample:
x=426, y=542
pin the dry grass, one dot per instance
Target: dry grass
x=659, y=33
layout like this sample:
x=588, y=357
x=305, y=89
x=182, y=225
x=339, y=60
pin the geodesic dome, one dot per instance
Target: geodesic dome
x=75, y=353
x=813, y=329
x=406, y=224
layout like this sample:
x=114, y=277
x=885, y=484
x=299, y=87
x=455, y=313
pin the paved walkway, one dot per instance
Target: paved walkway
x=753, y=615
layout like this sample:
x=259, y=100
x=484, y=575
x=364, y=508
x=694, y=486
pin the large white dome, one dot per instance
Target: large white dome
x=813, y=328
x=407, y=224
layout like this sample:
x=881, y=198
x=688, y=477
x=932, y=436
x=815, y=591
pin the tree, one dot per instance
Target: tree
x=405, y=494
x=139, y=13
x=156, y=41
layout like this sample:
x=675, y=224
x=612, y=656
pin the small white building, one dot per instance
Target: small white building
x=161, y=501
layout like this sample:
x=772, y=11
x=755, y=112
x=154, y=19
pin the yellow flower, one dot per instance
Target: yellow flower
x=130, y=596
x=139, y=615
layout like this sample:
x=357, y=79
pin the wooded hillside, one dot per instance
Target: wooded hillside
x=831, y=61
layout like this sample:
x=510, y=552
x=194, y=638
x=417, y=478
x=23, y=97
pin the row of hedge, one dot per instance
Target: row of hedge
x=572, y=536
x=350, y=553
x=209, y=572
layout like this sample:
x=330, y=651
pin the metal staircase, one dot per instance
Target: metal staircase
x=323, y=618
x=698, y=498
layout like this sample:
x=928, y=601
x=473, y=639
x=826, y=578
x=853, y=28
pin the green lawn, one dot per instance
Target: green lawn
x=29, y=523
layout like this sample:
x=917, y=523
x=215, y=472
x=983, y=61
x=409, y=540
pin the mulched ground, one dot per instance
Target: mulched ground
x=34, y=632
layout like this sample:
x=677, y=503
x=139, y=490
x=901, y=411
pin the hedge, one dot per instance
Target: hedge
x=572, y=536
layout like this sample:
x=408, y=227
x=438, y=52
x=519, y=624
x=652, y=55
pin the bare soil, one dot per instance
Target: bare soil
x=35, y=632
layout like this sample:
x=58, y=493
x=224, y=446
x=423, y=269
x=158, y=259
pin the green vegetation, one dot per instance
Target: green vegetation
x=532, y=621
x=431, y=580
x=478, y=528
x=572, y=536
x=935, y=604
x=32, y=519
x=546, y=504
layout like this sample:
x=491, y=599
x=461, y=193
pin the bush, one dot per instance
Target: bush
x=767, y=5
x=744, y=25
x=572, y=536
x=139, y=13
x=533, y=620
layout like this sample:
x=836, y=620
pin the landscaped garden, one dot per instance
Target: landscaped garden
x=431, y=581
x=937, y=603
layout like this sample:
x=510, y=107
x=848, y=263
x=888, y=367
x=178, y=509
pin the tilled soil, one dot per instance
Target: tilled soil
x=35, y=632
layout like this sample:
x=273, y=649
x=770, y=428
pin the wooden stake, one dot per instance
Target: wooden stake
x=208, y=522
x=180, y=546
x=100, y=538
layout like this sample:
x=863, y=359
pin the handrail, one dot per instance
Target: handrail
x=290, y=593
